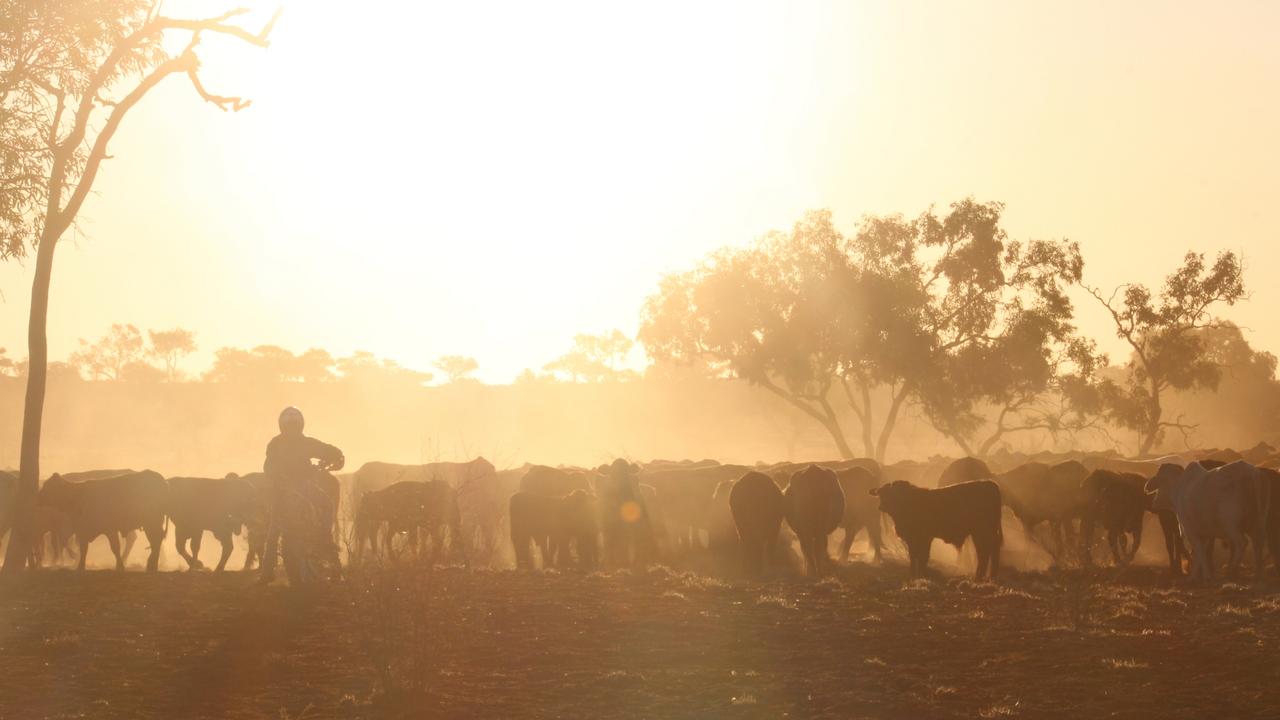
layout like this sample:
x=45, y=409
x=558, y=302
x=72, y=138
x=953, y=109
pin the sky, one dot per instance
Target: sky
x=490, y=179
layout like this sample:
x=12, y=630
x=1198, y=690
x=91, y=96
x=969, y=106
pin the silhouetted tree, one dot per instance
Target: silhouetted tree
x=594, y=358
x=1168, y=352
x=8, y=366
x=270, y=364
x=905, y=309
x=169, y=347
x=70, y=71
x=364, y=367
x=106, y=358
x=456, y=367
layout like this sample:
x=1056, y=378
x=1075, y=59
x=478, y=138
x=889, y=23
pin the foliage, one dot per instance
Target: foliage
x=364, y=367
x=943, y=310
x=169, y=347
x=1168, y=349
x=456, y=367
x=106, y=359
x=594, y=358
x=270, y=364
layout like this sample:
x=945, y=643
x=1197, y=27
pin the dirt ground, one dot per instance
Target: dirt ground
x=866, y=642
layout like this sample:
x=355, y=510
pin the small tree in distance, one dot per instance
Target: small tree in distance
x=169, y=347
x=456, y=367
x=594, y=358
x=107, y=358
x=1165, y=333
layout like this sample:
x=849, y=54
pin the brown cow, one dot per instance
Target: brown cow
x=408, y=507
x=129, y=539
x=1039, y=493
x=758, y=508
x=1115, y=501
x=533, y=518
x=556, y=482
x=951, y=514
x=860, y=510
x=577, y=523
x=814, y=509
x=112, y=506
x=374, y=476
x=686, y=495
x=966, y=469
x=217, y=505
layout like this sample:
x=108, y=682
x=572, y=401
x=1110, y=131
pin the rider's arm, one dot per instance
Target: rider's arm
x=326, y=453
x=270, y=464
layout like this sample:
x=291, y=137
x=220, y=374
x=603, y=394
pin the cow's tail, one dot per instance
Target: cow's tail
x=1262, y=499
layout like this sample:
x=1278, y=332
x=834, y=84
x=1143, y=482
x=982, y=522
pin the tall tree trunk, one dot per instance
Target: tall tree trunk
x=868, y=444
x=1154, y=412
x=826, y=417
x=890, y=420
x=20, y=539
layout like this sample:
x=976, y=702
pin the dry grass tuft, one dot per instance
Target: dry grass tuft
x=775, y=599
x=1236, y=610
x=1124, y=664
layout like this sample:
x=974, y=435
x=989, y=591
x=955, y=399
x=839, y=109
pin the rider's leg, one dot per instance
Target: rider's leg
x=271, y=550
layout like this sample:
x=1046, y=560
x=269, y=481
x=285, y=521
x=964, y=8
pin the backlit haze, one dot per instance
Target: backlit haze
x=421, y=179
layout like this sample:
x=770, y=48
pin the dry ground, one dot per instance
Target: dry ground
x=866, y=642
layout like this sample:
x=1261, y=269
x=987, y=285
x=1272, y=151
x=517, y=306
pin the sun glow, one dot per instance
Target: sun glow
x=507, y=160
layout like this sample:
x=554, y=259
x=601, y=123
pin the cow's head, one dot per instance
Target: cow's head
x=1160, y=484
x=893, y=496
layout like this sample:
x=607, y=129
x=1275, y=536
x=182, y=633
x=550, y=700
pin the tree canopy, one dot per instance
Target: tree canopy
x=1165, y=332
x=944, y=310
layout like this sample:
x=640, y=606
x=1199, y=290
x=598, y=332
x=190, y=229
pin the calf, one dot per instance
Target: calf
x=218, y=505
x=951, y=514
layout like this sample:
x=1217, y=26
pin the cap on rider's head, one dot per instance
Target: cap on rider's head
x=291, y=421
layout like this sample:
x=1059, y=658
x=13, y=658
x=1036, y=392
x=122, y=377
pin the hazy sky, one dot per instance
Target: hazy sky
x=418, y=179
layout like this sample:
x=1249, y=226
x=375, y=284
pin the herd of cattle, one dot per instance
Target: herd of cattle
x=625, y=513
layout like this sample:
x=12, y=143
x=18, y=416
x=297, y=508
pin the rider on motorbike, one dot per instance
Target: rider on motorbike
x=289, y=470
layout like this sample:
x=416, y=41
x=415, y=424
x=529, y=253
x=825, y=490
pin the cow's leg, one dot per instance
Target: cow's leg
x=197, y=539
x=983, y=550
x=1137, y=540
x=1237, y=554
x=1257, y=541
x=114, y=539
x=82, y=538
x=1086, y=540
x=155, y=537
x=130, y=539
x=1172, y=542
x=224, y=537
x=1069, y=541
x=1113, y=540
x=180, y=539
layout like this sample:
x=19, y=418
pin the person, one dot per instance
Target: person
x=289, y=469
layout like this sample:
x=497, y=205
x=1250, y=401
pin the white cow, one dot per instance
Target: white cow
x=1229, y=502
